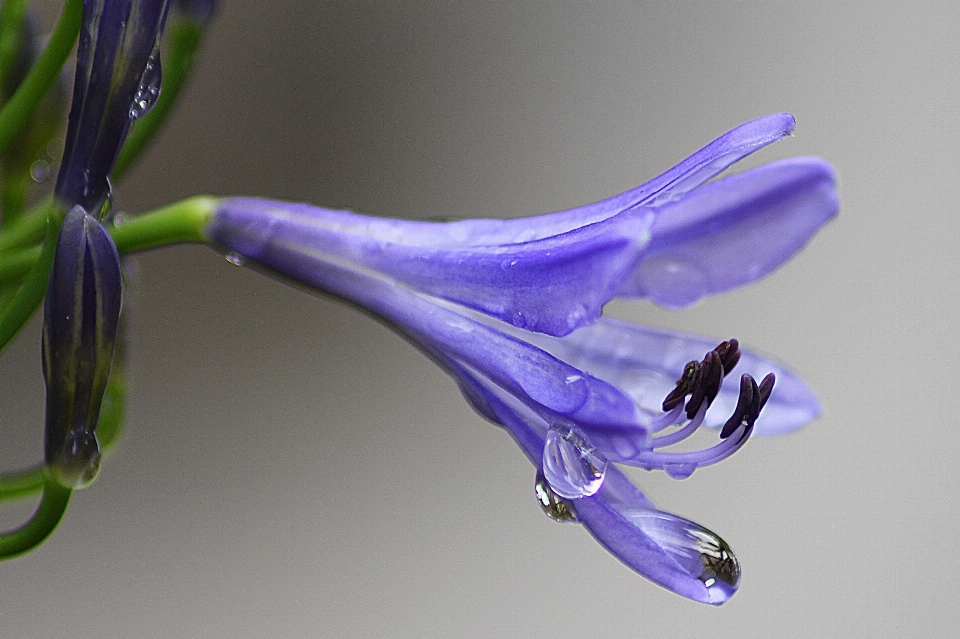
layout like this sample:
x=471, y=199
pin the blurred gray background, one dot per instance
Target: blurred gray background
x=290, y=468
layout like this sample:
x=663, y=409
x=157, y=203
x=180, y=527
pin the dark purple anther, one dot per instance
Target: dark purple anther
x=683, y=388
x=748, y=407
x=80, y=319
x=729, y=353
x=707, y=383
x=117, y=80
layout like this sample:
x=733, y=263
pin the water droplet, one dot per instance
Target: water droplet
x=679, y=471
x=672, y=280
x=698, y=551
x=40, y=171
x=508, y=263
x=235, y=258
x=571, y=465
x=119, y=220
x=78, y=463
x=554, y=506
x=149, y=90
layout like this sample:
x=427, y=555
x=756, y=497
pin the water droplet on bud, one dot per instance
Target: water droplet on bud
x=235, y=258
x=78, y=463
x=571, y=465
x=149, y=90
x=554, y=506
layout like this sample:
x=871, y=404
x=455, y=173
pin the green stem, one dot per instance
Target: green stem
x=15, y=265
x=12, y=13
x=48, y=514
x=183, y=38
x=28, y=298
x=28, y=228
x=21, y=484
x=177, y=223
x=183, y=221
x=25, y=100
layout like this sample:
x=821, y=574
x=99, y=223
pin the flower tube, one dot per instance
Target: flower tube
x=511, y=310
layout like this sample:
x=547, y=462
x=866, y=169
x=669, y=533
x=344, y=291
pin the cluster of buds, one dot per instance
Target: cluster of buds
x=117, y=81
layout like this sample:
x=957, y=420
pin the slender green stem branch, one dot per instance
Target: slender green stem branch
x=177, y=223
x=15, y=265
x=28, y=298
x=48, y=514
x=21, y=484
x=28, y=228
x=183, y=221
x=12, y=13
x=183, y=38
x=25, y=100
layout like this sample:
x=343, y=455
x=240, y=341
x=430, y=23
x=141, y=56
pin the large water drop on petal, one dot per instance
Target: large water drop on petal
x=698, y=551
x=672, y=281
x=554, y=506
x=571, y=465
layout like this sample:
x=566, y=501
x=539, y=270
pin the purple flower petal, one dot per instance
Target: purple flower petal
x=645, y=363
x=706, y=163
x=734, y=231
x=671, y=551
x=550, y=284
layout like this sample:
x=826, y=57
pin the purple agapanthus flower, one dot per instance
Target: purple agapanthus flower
x=117, y=81
x=511, y=309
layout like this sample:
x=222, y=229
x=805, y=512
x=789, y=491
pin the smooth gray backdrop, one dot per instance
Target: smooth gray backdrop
x=290, y=468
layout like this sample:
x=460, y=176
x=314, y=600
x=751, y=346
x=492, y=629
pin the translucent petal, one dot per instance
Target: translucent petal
x=734, y=231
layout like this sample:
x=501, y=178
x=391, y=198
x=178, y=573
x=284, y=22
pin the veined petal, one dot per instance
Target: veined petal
x=711, y=160
x=645, y=363
x=734, y=231
x=543, y=381
x=549, y=284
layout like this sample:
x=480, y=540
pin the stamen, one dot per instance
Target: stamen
x=718, y=452
x=729, y=353
x=707, y=384
x=766, y=387
x=701, y=381
x=684, y=387
x=748, y=406
x=667, y=420
x=679, y=435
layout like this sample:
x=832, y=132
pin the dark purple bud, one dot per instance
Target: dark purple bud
x=81, y=314
x=117, y=81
